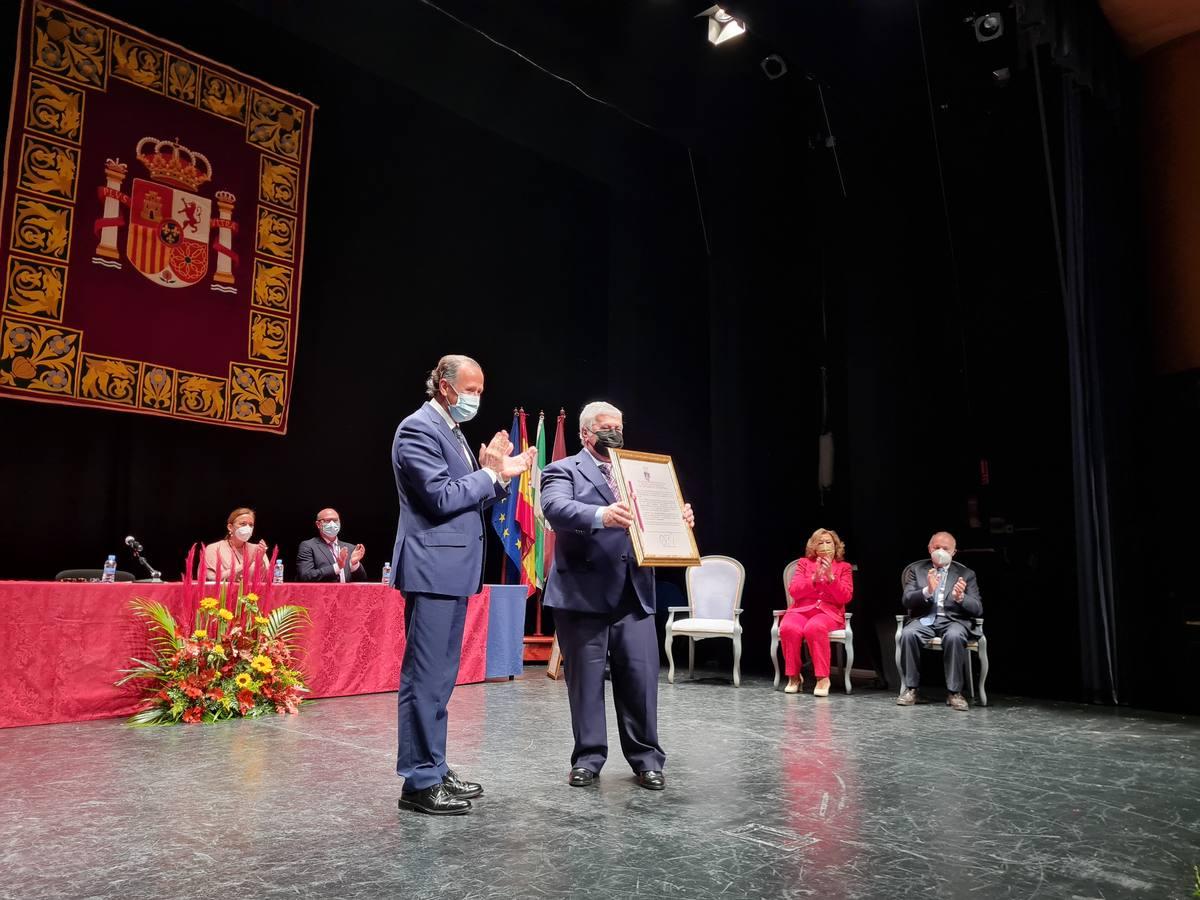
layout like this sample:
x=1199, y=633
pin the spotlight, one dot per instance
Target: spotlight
x=721, y=25
x=988, y=27
x=773, y=66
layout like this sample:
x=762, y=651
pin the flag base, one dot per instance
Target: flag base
x=537, y=647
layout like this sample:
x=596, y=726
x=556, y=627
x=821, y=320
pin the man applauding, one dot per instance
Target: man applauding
x=325, y=558
x=437, y=564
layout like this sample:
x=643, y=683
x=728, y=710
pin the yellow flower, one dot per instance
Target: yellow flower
x=261, y=620
x=199, y=633
x=218, y=650
x=251, y=598
x=244, y=680
x=262, y=664
x=209, y=603
x=225, y=614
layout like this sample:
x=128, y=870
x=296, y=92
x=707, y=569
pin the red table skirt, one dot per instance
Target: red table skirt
x=62, y=645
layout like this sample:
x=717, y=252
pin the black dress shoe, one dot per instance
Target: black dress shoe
x=463, y=790
x=652, y=781
x=581, y=777
x=436, y=801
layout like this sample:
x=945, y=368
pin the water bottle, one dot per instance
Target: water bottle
x=278, y=571
x=110, y=570
x=387, y=573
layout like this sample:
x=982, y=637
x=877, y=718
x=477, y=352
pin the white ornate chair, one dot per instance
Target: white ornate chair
x=714, y=591
x=841, y=636
x=979, y=648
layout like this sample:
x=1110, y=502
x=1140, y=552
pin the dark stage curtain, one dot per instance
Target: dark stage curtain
x=1087, y=145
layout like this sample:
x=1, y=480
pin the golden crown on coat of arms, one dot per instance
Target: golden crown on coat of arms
x=173, y=163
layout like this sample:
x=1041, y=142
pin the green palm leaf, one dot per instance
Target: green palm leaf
x=155, y=716
x=164, y=637
x=143, y=670
x=284, y=623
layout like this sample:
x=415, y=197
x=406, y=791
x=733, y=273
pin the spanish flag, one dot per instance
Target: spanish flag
x=531, y=530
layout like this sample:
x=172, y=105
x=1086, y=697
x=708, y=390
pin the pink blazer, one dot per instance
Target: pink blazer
x=808, y=592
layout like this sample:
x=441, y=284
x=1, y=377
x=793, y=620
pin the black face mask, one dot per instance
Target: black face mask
x=609, y=437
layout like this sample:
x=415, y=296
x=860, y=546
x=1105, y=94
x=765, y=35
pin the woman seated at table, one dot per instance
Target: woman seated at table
x=820, y=589
x=232, y=551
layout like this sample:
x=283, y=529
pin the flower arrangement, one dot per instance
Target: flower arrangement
x=238, y=659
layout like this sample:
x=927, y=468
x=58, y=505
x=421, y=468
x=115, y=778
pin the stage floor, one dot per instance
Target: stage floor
x=768, y=796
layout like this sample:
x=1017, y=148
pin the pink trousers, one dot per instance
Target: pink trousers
x=813, y=626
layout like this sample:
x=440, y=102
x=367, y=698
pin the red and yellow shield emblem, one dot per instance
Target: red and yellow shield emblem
x=168, y=233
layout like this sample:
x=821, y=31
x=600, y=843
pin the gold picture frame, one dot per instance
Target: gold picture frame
x=647, y=483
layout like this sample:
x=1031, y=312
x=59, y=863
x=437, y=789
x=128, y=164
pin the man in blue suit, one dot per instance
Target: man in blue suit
x=437, y=564
x=603, y=605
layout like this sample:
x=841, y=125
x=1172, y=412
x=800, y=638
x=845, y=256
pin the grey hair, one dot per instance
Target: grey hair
x=938, y=534
x=448, y=367
x=587, y=418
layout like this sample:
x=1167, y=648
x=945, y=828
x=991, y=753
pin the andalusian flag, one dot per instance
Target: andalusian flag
x=539, y=518
x=504, y=515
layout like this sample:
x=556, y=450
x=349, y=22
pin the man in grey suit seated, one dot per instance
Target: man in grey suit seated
x=325, y=558
x=942, y=600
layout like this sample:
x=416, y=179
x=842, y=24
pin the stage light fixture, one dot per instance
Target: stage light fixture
x=988, y=27
x=721, y=25
x=774, y=66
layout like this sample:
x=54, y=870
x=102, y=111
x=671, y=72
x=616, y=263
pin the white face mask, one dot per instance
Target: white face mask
x=243, y=532
x=941, y=558
x=331, y=529
x=465, y=408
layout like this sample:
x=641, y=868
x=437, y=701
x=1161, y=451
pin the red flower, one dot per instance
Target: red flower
x=193, y=714
x=245, y=701
x=162, y=695
x=215, y=694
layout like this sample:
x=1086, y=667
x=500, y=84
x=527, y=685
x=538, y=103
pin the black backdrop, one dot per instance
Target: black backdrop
x=462, y=201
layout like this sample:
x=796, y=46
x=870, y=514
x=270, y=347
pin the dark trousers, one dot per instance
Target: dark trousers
x=954, y=650
x=433, y=631
x=587, y=640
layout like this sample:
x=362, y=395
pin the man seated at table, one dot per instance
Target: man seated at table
x=325, y=558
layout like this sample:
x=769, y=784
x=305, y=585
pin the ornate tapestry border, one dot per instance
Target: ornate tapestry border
x=73, y=51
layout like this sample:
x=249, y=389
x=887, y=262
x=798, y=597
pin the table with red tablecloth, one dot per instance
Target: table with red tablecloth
x=62, y=645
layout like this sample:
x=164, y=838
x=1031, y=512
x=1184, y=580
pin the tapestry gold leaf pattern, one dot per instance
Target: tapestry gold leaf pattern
x=48, y=168
x=41, y=228
x=110, y=379
x=55, y=109
x=36, y=357
x=35, y=288
x=68, y=45
x=258, y=395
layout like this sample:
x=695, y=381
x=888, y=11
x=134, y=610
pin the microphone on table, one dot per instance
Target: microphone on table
x=135, y=547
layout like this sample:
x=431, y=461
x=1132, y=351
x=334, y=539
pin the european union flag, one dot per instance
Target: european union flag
x=504, y=515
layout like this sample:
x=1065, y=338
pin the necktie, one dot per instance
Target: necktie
x=606, y=471
x=462, y=442
x=936, y=610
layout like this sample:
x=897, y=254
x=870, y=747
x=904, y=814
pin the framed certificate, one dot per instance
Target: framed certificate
x=647, y=483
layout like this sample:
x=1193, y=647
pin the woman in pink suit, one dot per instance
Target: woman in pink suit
x=820, y=589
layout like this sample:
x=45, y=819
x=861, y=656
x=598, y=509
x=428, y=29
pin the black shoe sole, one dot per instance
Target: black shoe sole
x=650, y=786
x=417, y=807
x=588, y=783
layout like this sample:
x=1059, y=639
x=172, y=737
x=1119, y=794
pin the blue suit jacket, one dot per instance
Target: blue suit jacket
x=440, y=540
x=590, y=566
